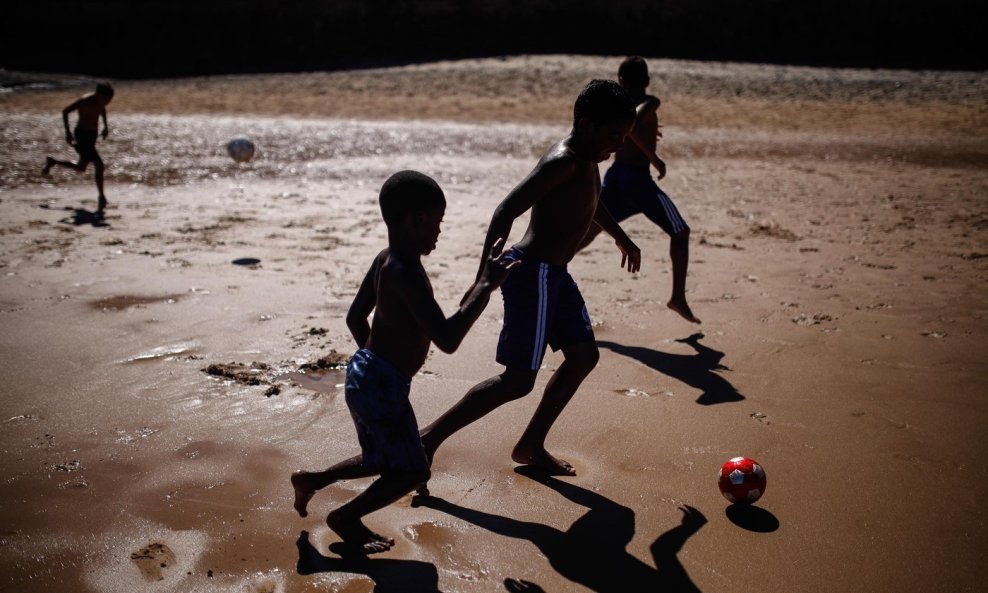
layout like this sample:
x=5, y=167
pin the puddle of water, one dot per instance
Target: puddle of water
x=328, y=382
x=119, y=303
x=164, y=351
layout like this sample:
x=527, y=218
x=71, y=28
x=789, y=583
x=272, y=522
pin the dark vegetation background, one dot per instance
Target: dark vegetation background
x=162, y=38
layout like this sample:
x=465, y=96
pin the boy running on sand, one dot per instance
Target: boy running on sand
x=392, y=349
x=90, y=107
x=628, y=188
x=542, y=304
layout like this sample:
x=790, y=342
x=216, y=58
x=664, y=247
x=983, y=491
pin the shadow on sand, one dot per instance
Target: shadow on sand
x=389, y=575
x=698, y=370
x=592, y=552
x=81, y=216
x=752, y=518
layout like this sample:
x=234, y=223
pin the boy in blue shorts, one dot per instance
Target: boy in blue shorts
x=629, y=189
x=392, y=349
x=542, y=304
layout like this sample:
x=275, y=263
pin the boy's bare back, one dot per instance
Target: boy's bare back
x=90, y=109
x=644, y=135
x=395, y=335
x=568, y=187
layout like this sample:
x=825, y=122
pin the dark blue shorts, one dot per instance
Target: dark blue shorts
x=85, y=145
x=628, y=190
x=542, y=305
x=377, y=395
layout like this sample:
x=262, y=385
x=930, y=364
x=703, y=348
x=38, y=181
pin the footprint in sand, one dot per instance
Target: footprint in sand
x=441, y=541
x=152, y=559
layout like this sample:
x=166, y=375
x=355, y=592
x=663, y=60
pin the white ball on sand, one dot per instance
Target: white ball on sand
x=240, y=149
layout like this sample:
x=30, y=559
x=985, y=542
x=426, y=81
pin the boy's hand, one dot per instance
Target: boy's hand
x=660, y=166
x=69, y=138
x=106, y=131
x=496, y=267
x=631, y=256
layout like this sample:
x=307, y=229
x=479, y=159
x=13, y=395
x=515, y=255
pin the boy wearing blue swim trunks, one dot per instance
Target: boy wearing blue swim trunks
x=393, y=348
x=542, y=304
x=629, y=189
x=91, y=108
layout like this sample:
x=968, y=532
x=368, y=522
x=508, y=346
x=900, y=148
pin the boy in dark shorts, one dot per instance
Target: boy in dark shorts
x=629, y=189
x=392, y=349
x=542, y=304
x=90, y=107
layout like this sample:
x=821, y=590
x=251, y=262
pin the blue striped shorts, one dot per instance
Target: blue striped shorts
x=626, y=191
x=542, y=306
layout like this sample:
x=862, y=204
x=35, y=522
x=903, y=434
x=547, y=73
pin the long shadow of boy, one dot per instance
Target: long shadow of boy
x=696, y=370
x=592, y=552
x=389, y=575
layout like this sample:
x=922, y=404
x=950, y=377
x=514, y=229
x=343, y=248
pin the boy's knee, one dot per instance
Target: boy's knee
x=419, y=478
x=519, y=384
x=585, y=356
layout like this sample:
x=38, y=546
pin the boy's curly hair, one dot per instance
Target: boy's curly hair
x=603, y=102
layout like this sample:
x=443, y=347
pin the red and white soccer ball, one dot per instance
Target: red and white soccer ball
x=742, y=480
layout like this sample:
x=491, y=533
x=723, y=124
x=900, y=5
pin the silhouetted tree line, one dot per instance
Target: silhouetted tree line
x=159, y=38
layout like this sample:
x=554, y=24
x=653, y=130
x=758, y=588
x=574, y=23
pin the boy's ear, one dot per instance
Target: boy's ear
x=584, y=125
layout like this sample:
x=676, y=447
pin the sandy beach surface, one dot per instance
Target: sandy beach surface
x=166, y=369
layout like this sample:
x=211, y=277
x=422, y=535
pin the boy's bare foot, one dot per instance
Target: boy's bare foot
x=356, y=535
x=49, y=162
x=680, y=306
x=303, y=493
x=101, y=204
x=542, y=459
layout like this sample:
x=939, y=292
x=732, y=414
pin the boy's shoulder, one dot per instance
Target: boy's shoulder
x=387, y=264
x=650, y=100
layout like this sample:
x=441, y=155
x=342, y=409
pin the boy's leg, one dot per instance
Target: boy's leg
x=580, y=359
x=345, y=520
x=306, y=484
x=101, y=200
x=659, y=208
x=477, y=403
x=679, y=253
x=50, y=162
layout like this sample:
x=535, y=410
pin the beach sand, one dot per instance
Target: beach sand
x=165, y=370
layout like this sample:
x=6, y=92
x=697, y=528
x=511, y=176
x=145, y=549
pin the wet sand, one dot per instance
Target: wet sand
x=151, y=397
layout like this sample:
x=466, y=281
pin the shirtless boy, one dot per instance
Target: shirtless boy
x=90, y=107
x=542, y=303
x=392, y=349
x=629, y=189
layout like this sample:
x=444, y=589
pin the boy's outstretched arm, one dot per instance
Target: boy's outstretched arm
x=653, y=158
x=363, y=303
x=106, y=125
x=447, y=334
x=631, y=255
x=65, y=119
x=648, y=110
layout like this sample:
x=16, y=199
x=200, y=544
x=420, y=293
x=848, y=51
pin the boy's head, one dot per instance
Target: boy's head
x=105, y=91
x=602, y=118
x=633, y=73
x=603, y=102
x=413, y=204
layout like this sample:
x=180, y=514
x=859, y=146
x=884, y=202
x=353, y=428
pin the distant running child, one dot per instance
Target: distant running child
x=391, y=350
x=629, y=189
x=91, y=108
x=542, y=303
